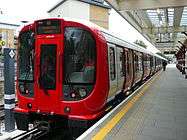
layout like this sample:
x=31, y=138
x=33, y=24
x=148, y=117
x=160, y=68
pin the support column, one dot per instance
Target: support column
x=9, y=88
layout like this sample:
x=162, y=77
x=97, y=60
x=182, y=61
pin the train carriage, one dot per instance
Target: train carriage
x=69, y=71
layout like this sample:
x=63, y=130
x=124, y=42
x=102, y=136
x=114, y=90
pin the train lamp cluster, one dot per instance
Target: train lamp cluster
x=79, y=92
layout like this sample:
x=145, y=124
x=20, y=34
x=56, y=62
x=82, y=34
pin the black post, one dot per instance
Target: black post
x=9, y=88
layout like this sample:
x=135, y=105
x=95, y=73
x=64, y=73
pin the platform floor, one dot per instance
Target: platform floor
x=158, y=111
x=160, y=114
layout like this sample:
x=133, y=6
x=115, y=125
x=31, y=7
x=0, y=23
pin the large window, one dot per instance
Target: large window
x=48, y=66
x=79, y=56
x=140, y=62
x=26, y=63
x=112, y=63
x=26, y=56
x=122, y=64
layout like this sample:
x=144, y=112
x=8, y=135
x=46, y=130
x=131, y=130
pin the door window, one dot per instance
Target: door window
x=112, y=63
x=48, y=66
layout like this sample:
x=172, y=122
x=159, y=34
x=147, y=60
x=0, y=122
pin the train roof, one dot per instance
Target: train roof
x=112, y=37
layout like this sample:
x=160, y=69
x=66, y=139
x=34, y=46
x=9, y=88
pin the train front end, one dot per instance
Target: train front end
x=61, y=77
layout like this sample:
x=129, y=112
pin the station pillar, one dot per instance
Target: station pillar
x=9, y=88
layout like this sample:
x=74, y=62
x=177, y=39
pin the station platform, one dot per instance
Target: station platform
x=157, y=111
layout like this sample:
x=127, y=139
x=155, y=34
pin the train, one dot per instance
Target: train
x=181, y=60
x=69, y=71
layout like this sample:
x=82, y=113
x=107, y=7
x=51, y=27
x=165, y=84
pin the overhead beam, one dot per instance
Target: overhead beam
x=164, y=30
x=128, y=16
x=177, y=16
x=147, y=4
x=144, y=16
x=166, y=16
x=177, y=19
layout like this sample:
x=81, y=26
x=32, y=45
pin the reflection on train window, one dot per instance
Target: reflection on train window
x=145, y=61
x=79, y=56
x=151, y=61
x=136, y=62
x=140, y=62
x=26, y=52
x=26, y=56
x=112, y=64
x=121, y=64
x=148, y=61
x=48, y=67
x=128, y=63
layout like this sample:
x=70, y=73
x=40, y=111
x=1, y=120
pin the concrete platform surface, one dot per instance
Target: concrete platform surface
x=160, y=114
x=156, y=111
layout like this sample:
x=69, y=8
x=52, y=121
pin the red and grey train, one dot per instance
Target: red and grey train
x=69, y=70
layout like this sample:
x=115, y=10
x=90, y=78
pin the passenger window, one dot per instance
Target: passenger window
x=136, y=60
x=128, y=62
x=145, y=60
x=112, y=64
x=121, y=64
x=140, y=62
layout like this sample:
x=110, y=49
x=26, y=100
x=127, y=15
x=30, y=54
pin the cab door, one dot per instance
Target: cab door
x=47, y=74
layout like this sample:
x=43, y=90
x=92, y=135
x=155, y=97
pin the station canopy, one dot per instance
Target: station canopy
x=162, y=22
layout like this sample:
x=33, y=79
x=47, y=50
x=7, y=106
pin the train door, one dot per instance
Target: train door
x=47, y=93
x=145, y=66
x=135, y=67
x=151, y=65
x=129, y=69
x=112, y=69
x=120, y=69
x=148, y=65
x=140, y=63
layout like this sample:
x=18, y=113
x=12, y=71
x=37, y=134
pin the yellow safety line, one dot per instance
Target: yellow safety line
x=108, y=127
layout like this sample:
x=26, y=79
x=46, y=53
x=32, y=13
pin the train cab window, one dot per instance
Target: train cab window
x=112, y=63
x=79, y=63
x=79, y=56
x=26, y=52
x=48, y=66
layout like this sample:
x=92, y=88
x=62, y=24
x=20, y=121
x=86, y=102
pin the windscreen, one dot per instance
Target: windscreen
x=25, y=56
x=79, y=63
x=79, y=56
x=26, y=63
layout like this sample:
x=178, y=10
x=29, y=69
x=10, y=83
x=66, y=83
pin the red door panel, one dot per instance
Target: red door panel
x=47, y=90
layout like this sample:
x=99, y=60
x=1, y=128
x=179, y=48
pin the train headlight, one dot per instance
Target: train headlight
x=73, y=95
x=82, y=92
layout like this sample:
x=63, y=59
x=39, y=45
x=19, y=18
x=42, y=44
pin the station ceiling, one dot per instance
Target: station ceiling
x=162, y=22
